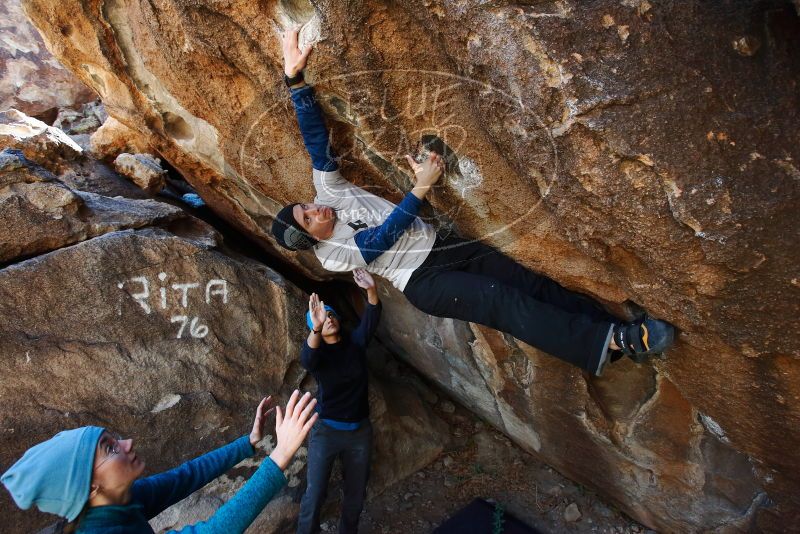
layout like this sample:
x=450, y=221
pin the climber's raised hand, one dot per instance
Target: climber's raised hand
x=317, y=312
x=292, y=426
x=426, y=174
x=363, y=279
x=294, y=59
x=261, y=416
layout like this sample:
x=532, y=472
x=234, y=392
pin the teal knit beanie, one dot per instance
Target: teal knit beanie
x=55, y=475
x=308, y=316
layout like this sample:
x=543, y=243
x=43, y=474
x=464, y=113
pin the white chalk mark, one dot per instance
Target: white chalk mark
x=713, y=427
x=471, y=176
x=185, y=288
x=197, y=330
x=221, y=290
x=141, y=298
x=179, y=318
x=167, y=402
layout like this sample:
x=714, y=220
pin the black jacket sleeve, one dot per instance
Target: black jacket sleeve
x=309, y=358
x=369, y=322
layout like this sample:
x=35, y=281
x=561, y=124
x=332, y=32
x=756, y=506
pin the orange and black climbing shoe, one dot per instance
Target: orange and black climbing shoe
x=644, y=337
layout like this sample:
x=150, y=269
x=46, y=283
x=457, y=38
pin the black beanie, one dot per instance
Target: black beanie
x=289, y=233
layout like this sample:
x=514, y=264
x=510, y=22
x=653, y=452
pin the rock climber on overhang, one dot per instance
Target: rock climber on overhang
x=349, y=228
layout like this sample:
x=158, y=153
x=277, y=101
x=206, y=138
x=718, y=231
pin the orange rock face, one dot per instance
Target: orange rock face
x=113, y=138
x=637, y=152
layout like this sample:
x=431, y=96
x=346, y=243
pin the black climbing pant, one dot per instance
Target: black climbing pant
x=474, y=282
x=353, y=448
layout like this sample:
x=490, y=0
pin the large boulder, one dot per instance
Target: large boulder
x=640, y=152
x=43, y=144
x=142, y=169
x=131, y=314
x=31, y=79
x=39, y=214
x=113, y=138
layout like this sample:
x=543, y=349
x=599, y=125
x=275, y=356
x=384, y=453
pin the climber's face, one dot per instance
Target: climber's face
x=331, y=325
x=316, y=219
x=116, y=467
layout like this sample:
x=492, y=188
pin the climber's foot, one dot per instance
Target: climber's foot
x=610, y=356
x=643, y=337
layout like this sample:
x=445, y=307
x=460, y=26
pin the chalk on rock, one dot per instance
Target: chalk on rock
x=571, y=513
x=143, y=169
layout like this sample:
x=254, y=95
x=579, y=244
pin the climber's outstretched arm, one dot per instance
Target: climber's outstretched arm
x=372, y=242
x=309, y=114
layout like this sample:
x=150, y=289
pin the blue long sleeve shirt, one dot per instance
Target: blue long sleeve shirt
x=313, y=129
x=151, y=495
x=340, y=370
x=372, y=241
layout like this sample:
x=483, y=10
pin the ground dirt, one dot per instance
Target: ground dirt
x=481, y=462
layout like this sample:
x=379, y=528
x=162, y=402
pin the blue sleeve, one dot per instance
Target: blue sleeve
x=313, y=129
x=158, y=492
x=372, y=242
x=309, y=358
x=238, y=513
x=369, y=322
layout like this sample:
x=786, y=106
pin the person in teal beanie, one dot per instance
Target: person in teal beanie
x=90, y=478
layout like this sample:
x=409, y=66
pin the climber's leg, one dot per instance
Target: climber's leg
x=576, y=338
x=322, y=452
x=477, y=258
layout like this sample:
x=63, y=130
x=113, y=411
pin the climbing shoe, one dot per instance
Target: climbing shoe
x=643, y=337
x=610, y=356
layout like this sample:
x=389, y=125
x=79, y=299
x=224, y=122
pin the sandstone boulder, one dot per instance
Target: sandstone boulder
x=177, y=372
x=137, y=319
x=154, y=333
x=39, y=214
x=31, y=79
x=48, y=146
x=143, y=170
x=113, y=138
x=644, y=153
